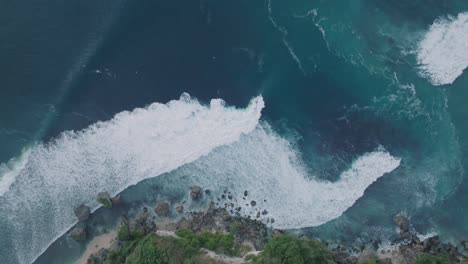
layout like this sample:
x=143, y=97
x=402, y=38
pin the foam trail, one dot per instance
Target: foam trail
x=269, y=168
x=109, y=156
x=442, y=54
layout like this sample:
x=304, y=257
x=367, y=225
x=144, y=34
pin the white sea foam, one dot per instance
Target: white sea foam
x=443, y=52
x=269, y=168
x=110, y=156
x=221, y=146
x=10, y=169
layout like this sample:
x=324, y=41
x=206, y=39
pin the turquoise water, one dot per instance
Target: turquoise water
x=339, y=81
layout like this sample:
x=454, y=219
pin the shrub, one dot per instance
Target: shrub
x=431, y=259
x=146, y=252
x=218, y=242
x=292, y=250
x=124, y=234
x=371, y=261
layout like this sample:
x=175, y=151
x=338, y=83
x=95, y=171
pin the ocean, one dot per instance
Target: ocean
x=334, y=116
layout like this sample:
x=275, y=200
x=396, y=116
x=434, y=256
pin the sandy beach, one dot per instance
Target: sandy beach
x=102, y=241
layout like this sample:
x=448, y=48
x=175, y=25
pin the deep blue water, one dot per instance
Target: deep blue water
x=339, y=80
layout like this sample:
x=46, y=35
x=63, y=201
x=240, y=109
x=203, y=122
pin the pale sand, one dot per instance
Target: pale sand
x=102, y=241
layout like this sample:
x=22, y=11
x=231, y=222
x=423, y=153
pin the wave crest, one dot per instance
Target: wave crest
x=442, y=54
x=110, y=156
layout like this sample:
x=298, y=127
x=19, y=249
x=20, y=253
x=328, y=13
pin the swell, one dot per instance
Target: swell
x=109, y=156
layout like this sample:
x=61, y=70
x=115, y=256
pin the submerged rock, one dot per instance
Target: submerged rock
x=116, y=200
x=104, y=199
x=79, y=233
x=402, y=222
x=464, y=244
x=82, y=212
x=162, y=209
x=196, y=192
x=180, y=209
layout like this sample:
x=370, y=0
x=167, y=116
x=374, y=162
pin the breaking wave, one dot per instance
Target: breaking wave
x=269, y=168
x=442, y=54
x=109, y=156
x=220, y=145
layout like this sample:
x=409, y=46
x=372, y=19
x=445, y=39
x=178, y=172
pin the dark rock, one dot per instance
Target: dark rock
x=180, y=209
x=265, y=212
x=116, y=200
x=415, y=239
x=104, y=199
x=258, y=214
x=253, y=203
x=431, y=244
x=145, y=209
x=162, y=209
x=79, y=233
x=464, y=244
x=230, y=197
x=385, y=261
x=82, y=212
x=196, y=192
x=223, y=196
x=272, y=220
x=404, y=235
x=208, y=191
x=246, y=193
x=342, y=257
x=141, y=218
x=402, y=222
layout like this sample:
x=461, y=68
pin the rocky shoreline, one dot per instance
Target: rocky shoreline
x=252, y=236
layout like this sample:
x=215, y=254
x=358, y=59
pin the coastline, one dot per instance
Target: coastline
x=100, y=242
x=249, y=234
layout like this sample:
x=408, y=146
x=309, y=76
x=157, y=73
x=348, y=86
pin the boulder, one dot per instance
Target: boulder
x=116, y=200
x=431, y=244
x=180, y=209
x=82, y=212
x=162, y=209
x=402, y=222
x=79, y=233
x=104, y=199
x=196, y=192
x=464, y=244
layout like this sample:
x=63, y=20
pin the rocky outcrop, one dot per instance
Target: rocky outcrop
x=180, y=209
x=116, y=200
x=79, y=233
x=104, y=199
x=404, y=225
x=162, y=209
x=82, y=212
x=196, y=192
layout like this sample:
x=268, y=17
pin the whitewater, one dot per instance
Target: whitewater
x=213, y=141
x=442, y=53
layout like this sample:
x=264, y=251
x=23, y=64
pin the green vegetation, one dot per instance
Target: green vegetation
x=146, y=252
x=431, y=259
x=106, y=202
x=124, y=234
x=292, y=250
x=154, y=249
x=371, y=261
x=217, y=242
x=185, y=248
